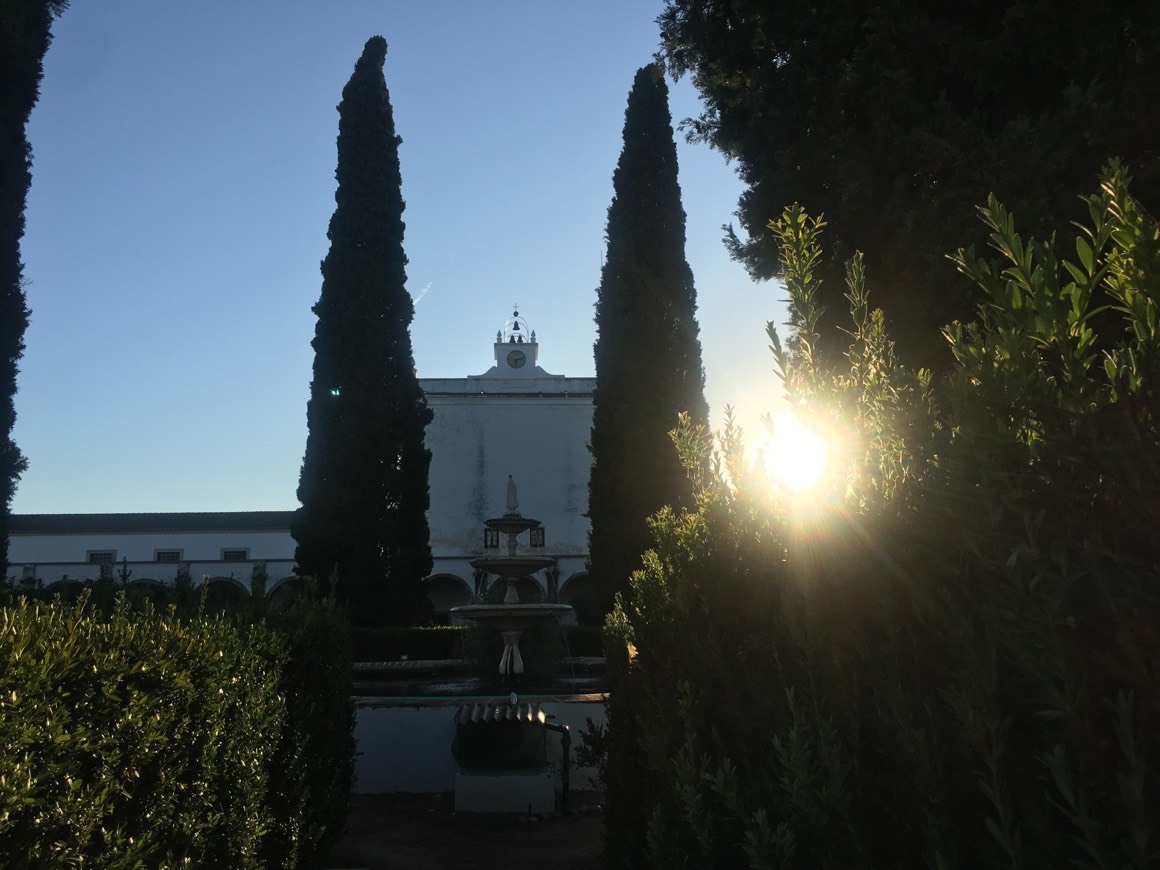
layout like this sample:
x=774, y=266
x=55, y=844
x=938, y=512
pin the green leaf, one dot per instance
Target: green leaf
x=1084, y=251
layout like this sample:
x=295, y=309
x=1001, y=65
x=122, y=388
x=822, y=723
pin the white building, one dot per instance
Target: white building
x=514, y=419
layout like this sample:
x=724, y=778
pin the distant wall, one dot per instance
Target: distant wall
x=533, y=426
x=477, y=440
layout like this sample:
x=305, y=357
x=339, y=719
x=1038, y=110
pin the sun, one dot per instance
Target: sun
x=794, y=456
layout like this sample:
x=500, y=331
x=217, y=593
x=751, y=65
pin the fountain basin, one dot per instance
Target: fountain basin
x=511, y=524
x=512, y=566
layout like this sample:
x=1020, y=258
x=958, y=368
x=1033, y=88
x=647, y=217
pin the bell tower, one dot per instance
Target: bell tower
x=516, y=350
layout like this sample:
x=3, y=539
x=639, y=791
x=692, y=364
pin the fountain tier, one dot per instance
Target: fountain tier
x=511, y=618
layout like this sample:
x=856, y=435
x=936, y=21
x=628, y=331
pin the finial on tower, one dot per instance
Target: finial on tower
x=515, y=330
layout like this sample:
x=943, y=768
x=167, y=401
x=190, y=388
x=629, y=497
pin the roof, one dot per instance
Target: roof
x=210, y=521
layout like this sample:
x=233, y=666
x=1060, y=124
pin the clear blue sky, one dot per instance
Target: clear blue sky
x=183, y=179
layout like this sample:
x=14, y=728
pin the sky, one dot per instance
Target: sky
x=183, y=180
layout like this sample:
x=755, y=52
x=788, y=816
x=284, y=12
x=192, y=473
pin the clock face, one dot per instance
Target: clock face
x=516, y=359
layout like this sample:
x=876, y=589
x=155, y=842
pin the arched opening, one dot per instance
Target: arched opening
x=146, y=582
x=445, y=591
x=579, y=590
x=527, y=588
x=222, y=593
x=285, y=590
x=141, y=588
x=67, y=588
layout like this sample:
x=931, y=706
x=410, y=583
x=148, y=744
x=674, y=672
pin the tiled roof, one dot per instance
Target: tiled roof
x=216, y=521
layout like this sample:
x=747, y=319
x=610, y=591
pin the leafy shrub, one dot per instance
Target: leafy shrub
x=305, y=780
x=134, y=740
x=948, y=657
x=312, y=771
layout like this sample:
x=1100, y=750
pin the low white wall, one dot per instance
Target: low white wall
x=405, y=745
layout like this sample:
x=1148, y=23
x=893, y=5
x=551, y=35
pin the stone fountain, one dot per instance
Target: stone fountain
x=511, y=617
x=502, y=748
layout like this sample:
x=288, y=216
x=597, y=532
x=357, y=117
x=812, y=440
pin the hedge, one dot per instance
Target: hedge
x=137, y=739
x=129, y=736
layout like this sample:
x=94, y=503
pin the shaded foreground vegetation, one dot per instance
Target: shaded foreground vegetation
x=950, y=657
x=132, y=736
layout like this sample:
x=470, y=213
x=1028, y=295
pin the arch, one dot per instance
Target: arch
x=528, y=588
x=222, y=592
x=579, y=590
x=445, y=591
x=149, y=582
x=283, y=590
x=68, y=588
x=579, y=583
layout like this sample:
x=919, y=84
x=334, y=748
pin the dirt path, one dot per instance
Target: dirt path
x=423, y=832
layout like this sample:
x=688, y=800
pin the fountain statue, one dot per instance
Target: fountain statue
x=511, y=618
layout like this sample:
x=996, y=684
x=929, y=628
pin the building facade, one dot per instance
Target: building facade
x=514, y=419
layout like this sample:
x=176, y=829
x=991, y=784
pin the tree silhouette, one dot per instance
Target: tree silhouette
x=894, y=120
x=647, y=353
x=363, y=486
x=25, y=34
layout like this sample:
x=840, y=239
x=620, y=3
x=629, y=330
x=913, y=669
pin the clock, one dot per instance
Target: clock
x=516, y=359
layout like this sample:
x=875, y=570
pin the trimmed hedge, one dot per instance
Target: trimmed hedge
x=128, y=735
x=134, y=740
x=313, y=769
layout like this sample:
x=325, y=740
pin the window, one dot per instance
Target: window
x=491, y=539
x=537, y=536
x=106, y=559
x=235, y=555
x=167, y=555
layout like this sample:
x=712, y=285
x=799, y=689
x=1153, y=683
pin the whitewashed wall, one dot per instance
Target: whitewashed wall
x=141, y=546
x=534, y=427
x=524, y=422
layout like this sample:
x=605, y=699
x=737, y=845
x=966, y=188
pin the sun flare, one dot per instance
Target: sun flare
x=794, y=456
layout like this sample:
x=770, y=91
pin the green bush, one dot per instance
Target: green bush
x=312, y=771
x=948, y=657
x=305, y=780
x=134, y=740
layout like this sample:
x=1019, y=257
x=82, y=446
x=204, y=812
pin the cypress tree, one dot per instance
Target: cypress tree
x=363, y=486
x=25, y=34
x=647, y=353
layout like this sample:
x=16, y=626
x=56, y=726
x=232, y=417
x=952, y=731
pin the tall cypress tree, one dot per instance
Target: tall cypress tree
x=25, y=34
x=648, y=355
x=363, y=486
